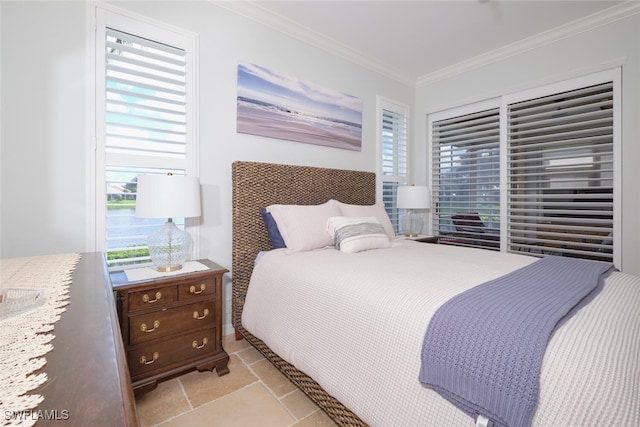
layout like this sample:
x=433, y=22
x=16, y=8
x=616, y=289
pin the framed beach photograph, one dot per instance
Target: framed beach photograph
x=277, y=106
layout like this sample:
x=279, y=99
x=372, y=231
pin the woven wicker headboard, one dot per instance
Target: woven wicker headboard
x=257, y=185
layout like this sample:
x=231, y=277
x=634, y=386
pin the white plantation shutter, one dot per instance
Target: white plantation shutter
x=144, y=124
x=145, y=96
x=557, y=146
x=466, y=178
x=560, y=173
x=394, y=160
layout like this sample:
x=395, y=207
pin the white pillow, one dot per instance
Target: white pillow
x=376, y=210
x=303, y=227
x=356, y=234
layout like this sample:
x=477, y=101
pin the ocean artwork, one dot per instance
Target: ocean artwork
x=276, y=106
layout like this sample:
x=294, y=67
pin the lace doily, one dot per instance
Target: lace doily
x=26, y=336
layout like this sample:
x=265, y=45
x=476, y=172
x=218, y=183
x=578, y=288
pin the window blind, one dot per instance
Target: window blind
x=466, y=179
x=560, y=174
x=145, y=96
x=146, y=132
x=394, y=160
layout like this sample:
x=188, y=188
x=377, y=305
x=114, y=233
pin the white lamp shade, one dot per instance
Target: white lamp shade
x=168, y=196
x=414, y=197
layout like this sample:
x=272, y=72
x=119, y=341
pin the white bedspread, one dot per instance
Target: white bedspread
x=355, y=323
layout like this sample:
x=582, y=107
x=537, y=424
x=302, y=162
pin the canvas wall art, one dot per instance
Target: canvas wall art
x=277, y=106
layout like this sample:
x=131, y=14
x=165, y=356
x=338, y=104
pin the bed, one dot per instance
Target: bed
x=358, y=358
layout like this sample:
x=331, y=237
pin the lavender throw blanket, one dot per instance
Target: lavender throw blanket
x=483, y=348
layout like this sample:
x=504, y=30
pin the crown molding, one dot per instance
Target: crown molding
x=253, y=11
x=571, y=29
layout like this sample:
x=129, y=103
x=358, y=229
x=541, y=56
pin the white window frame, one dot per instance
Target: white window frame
x=101, y=16
x=382, y=104
x=614, y=75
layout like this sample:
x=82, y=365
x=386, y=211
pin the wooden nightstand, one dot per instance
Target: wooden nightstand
x=424, y=239
x=171, y=324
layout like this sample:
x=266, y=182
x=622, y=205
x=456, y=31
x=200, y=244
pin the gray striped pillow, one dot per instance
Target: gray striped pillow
x=356, y=234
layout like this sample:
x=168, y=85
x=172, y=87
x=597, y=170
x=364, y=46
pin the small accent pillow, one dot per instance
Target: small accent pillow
x=376, y=210
x=303, y=227
x=351, y=235
x=277, y=242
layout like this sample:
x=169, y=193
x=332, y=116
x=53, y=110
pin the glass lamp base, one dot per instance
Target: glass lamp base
x=411, y=224
x=169, y=247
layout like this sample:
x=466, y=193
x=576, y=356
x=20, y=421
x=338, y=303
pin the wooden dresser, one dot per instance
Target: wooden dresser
x=171, y=324
x=88, y=382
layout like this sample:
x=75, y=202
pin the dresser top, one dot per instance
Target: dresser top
x=119, y=278
x=87, y=363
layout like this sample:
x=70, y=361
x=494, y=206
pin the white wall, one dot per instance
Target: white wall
x=617, y=43
x=43, y=171
x=46, y=179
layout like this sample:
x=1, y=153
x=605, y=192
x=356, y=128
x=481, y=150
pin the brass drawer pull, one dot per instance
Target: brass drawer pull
x=195, y=345
x=205, y=313
x=145, y=298
x=144, y=361
x=144, y=328
x=193, y=290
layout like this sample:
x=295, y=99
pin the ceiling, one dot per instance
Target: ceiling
x=413, y=41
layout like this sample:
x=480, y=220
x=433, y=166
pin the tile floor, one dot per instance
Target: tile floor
x=254, y=393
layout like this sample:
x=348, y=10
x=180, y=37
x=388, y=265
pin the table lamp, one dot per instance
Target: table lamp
x=412, y=197
x=168, y=196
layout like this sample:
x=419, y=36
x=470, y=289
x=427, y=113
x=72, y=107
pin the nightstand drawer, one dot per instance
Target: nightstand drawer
x=156, y=355
x=152, y=297
x=202, y=287
x=149, y=326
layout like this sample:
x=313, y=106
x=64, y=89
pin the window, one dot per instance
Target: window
x=560, y=173
x=466, y=179
x=144, y=120
x=394, y=161
x=557, y=185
